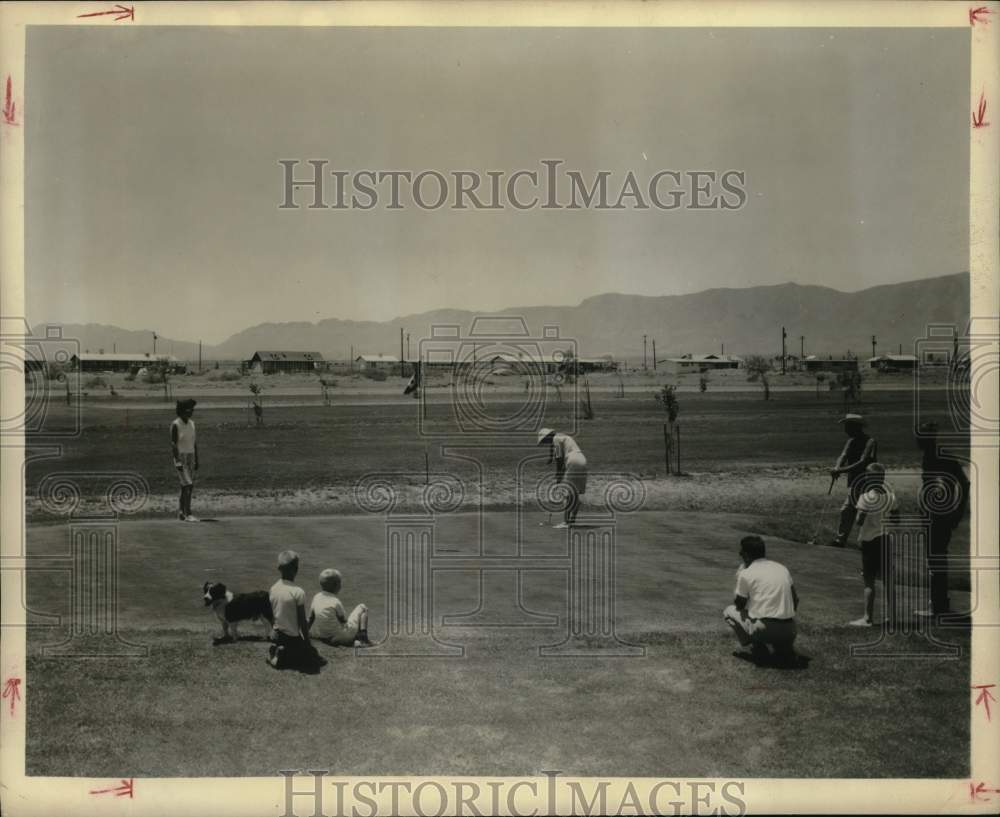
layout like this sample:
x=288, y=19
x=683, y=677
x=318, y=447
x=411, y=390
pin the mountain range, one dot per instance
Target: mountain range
x=740, y=321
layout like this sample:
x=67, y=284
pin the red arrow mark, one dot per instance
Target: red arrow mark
x=123, y=12
x=985, y=696
x=978, y=16
x=979, y=115
x=12, y=690
x=975, y=792
x=9, y=106
x=126, y=787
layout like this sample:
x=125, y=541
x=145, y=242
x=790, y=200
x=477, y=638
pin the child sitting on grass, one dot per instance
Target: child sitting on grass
x=291, y=647
x=328, y=620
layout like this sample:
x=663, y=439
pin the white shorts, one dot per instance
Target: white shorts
x=576, y=472
x=186, y=472
x=348, y=632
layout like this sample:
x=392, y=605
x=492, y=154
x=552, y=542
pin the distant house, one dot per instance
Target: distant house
x=814, y=364
x=266, y=362
x=377, y=361
x=605, y=363
x=893, y=363
x=699, y=363
x=119, y=362
x=792, y=363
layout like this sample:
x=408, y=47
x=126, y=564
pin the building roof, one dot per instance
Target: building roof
x=894, y=358
x=702, y=359
x=288, y=357
x=377, y=358
x=123, y=357
x=815, y=359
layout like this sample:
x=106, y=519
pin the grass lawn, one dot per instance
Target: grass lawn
x=686, y=708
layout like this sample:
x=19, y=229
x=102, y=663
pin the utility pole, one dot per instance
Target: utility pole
x=401, y=347
x=407, y=345
x=114, y=348
x=199, y=357
x=802, y=347
x=644, y=352
x=901, y=348
x=873, y=346
x=723, y=352
x=351, y=361
x=654, y=354
x=154, y=344
x=784, y=335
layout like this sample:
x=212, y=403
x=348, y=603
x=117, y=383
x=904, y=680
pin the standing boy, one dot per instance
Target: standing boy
x=184, y=444
x=291, y=646
x=876, y=503
x=859, y=452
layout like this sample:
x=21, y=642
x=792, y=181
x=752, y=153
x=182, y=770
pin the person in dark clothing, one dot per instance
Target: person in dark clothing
x=944, y=500
x=859, y=452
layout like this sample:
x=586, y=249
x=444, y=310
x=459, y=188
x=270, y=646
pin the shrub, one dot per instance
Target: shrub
x=95, y=383
x=226, y=376
x=375, y=374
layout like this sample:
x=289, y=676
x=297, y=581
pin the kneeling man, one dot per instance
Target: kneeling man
x=763, y=611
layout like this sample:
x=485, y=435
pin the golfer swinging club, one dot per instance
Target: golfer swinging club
x=571, y=469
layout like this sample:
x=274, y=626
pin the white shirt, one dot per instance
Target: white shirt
x=768, y=586
x=185, y=435
x=564, y=446
x=330, y=614
x=286, y=598
x=875, y=505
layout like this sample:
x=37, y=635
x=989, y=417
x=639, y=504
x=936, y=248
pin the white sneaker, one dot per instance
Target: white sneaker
x=560, y=526
x=192, y=518
x=859, y=622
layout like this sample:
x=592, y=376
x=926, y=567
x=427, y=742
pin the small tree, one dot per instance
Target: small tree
x=258, y=402
x=588, y=409
x=667, y=397
x=758, y=367
x=820, y=380
x=703, y=383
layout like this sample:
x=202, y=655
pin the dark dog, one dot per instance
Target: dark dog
x=232, y=608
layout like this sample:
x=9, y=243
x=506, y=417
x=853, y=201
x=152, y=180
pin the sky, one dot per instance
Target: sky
x=153, y=185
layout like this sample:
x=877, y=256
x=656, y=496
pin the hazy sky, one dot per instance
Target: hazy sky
x=153, y=184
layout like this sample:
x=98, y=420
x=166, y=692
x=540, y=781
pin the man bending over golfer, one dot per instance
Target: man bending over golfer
x=763, y=611
x=571, y=470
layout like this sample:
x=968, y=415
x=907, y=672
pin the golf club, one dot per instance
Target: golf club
x=822, y=516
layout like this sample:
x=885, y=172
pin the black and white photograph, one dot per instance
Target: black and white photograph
x=443, y=408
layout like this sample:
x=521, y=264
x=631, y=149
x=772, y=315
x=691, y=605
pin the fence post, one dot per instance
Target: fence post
x=677, y=431
x=666, y=448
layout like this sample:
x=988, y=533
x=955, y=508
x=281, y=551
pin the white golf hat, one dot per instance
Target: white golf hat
x=852, y=418
x=543, y=434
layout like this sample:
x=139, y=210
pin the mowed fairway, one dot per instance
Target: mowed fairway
x=686, y=708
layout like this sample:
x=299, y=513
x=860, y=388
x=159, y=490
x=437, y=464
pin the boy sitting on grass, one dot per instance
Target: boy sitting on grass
x=328, y=620
x=291, y=647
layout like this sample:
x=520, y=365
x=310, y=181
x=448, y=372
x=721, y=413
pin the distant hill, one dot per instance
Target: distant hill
x=99, y=337
x=745, y=320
